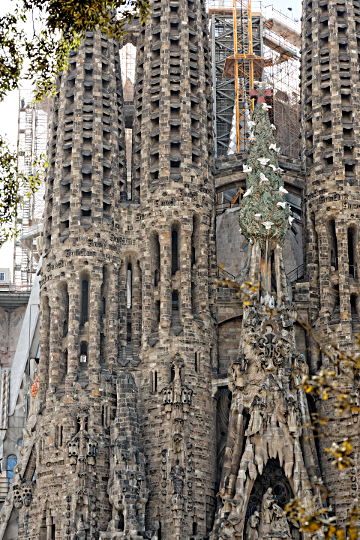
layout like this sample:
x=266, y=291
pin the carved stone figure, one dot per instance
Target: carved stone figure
x=177, y=476
x=81, y=527
x=256, y=418
x=266, y=506
x=252, y=527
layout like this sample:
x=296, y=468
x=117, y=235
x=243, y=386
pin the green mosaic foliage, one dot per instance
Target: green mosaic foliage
x=264, y=214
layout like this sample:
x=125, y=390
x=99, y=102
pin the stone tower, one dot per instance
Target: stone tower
x=330, y=136
x=84, y=185
x=173, y=182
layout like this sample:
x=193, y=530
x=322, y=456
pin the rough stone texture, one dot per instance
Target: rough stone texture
x=150, y=377
x=330, y=135
x=232, y=245
x=173, y=181
x=266, y=457
x=79, y=302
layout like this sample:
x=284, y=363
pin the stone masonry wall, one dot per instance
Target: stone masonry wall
x=330, y=136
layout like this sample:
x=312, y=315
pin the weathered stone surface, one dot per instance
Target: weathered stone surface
x=166, y=408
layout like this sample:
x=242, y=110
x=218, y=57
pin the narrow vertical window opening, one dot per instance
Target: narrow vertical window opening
x=333, y=245
x=157, y=313
x=83, y=353
x=193, y=309
x=128, y=333
x=58, y=436
x=105, y=415
x=102, y=352
x=174, y=252
x=121, y=521
x=65, y=361
x=175, y=301
x=156, y=258
x=66, y=311
x=84, y=301
x=129, y=286
x=195, y=240
x=351, y=252
x=53, y=531
x=197, y=362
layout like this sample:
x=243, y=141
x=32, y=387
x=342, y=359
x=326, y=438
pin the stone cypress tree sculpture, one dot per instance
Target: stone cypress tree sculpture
x=264, y=214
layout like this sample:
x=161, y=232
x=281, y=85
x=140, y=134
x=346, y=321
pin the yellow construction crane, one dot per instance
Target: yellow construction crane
x=243, y=66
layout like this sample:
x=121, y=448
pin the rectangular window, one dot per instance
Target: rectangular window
x=2, y=276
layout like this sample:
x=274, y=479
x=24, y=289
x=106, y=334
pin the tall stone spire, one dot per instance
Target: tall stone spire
x=268, y=452
x=173, y=181
x=330, y=146
x=84, y=183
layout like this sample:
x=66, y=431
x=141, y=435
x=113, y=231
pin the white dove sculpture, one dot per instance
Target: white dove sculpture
x=246, y=168
x=263, y=160
x=248, y=192
x=266, y=106
x=267, y=224
x=283, y=190
x=263, y=179
x=273, y=147
x=257, y=216
x=282, y=204
x=291, y=219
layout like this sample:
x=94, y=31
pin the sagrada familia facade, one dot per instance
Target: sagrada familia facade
x=133, y=437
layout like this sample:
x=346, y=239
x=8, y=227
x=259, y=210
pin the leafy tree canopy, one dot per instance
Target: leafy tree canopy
x=38, y=56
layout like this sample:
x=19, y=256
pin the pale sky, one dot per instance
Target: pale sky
x=9, y=107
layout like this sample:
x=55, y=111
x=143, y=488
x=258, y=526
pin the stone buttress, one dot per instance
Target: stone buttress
x=330, y=136
x=173, y=181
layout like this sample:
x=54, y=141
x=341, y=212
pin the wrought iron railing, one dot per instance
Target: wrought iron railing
x=296, y=273
x=221, y=272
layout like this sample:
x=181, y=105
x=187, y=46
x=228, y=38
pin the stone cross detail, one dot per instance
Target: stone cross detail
x=261, y=92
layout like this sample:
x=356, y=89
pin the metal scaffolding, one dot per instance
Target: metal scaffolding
x=282, y=69
x=236, y=38
x=260, y=44
x=33, y=119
